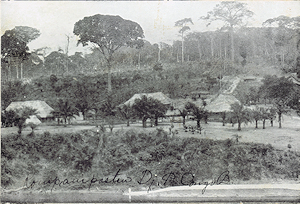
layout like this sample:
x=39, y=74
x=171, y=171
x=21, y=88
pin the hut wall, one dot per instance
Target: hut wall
x=217, y=117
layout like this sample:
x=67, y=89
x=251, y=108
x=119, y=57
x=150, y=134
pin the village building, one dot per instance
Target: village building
x=178, y=105
x=33, y=119
x=44, y=111
x=219, y=105
x=157, y=95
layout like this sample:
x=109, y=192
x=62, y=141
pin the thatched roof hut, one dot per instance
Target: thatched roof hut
x=180, y=103
x=171, y=113
x=43, y=109
x=33, y=119
x=221, y=103
x=158, y=96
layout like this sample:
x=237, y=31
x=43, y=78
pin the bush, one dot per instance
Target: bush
x=69, y=154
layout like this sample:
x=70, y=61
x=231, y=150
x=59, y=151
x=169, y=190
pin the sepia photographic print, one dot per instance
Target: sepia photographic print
x=150, y=101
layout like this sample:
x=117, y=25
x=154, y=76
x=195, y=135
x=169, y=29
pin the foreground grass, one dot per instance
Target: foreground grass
x=138, y=155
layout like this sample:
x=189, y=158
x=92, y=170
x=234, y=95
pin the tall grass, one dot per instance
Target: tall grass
x=87, y=153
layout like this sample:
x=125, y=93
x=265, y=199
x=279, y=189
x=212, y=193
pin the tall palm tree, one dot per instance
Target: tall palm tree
x=199, y=113
x=64, y=110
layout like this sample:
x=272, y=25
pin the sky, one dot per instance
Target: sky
x=56, y=19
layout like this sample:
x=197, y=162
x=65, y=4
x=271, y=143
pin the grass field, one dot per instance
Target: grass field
x=277, y=137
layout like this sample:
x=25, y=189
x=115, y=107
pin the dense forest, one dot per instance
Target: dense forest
x=262, y=47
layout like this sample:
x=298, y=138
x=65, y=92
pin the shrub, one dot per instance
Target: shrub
x=48, y=155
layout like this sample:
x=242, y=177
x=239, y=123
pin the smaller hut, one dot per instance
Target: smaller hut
x=33, y=119
x=219, y=105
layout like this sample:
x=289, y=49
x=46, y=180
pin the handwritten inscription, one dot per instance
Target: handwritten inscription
x=148, y=179
x=185, y=179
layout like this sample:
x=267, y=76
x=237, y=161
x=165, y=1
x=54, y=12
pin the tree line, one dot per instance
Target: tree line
x=122, y=45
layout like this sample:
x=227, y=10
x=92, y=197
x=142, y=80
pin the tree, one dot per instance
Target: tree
x=183, y=24
x=108, y=107
x=23, y=114
x=126, y=112
x=158, y=67
x=56, y=62
x=243, y=51
x=14, y=45
x=265, y=115
x=78, y=62
x=157, y=110
x=280, y=92
x=233, y=14
x=12, y=91
x=198, y=112
x=284, y=33
x=108, y=34
x=256, y=114
x=272, y=115
x=64, y=110
x=223, y=118
x=239, y=114
x=284, y=21
x=8, y=118
x=147, y=107
x=183, y=113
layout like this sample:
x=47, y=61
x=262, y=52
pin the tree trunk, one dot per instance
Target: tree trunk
x=144, y=120
x=225, y=51
x=67, y=66
x=183, y=120
x=264, y=124
x=21, y=70
x=271, y=122
x=220, y=48
x=109, y=78
x=156, y=121
x=199, y=50
x=239, y=126
x=128, y=124
x=198, y=124
x=232, y=45
x=83, y=115
x=212, y=46
x=158, y=57
x=282, y=58
x=17, y=69
x=9, y=70
x=279, y=119
x=139, y=62
x=182, y=49
x=256, y=124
